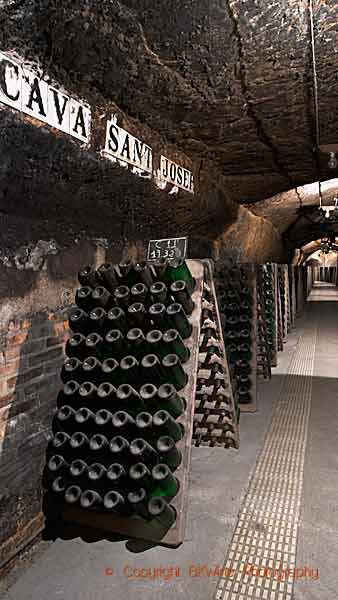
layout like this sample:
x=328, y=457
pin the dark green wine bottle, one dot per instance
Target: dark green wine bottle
x=129, y=400
x=124, y=423
x=144, y=424
x=71, y=370
x=57, y=465
x=168, y=451
x=164, y=423
x=115, y=502
x=174, y=372
x=59, y=485
x=73, y=494
x=140, y=476
x=97, y=320
x=76, y=346
x=66, y=417
x=108, y=275
x=98, y=445
x=178, y=320
x=139, y=293
x=79, y=321
x=158, y=314
x=83, y=298
x=94, y=345
x=120, y=449
x=90, y=499
x=141, y=451
x=79, y=442
x=160, y=266
x=148, y=393
x=101, y=297
x=106, y=394
x=70, y=392
x=170, y=401
x=137, y=342
x=116, y=319
x=126, y=272
x=129, y=368
x=159, y=292
x=160, y=510
x=78, y=470
x=91, y=369
x=116, y=476
x=180, y=291
x=166, y=484
x=138, y=502
x=174, y=345
x=178, y=270
x=138, y=315
x=152, y=369
x=143, y=274
x=110, y=371
x=122, y=296
x=245, y=351
x=115, y=344
x=154, y=342
x=60, y=442
x=84, y=419
x=103, y=421
x=87, y=277
x=97, y=475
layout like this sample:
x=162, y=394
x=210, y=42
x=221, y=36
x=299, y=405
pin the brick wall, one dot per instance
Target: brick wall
x=31, y=354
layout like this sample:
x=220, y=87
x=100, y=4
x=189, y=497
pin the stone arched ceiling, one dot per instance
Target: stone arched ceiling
x=227, y=81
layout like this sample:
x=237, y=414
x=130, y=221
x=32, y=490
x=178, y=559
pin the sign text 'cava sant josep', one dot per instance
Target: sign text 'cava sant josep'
x=25, y=91
x=122, y=145
x=173, y=173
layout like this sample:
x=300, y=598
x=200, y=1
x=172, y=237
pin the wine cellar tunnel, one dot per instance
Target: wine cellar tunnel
x=210, y=122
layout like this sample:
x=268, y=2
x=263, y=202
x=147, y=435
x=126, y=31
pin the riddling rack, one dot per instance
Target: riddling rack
x=264, y=334
x=144, y=477
x=237, y=290
x=216, y=415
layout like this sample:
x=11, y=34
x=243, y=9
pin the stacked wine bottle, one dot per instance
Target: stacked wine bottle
x=237, y=292
x=270, y=310
x=114, y=447
x=263, y=347
x=216, y=415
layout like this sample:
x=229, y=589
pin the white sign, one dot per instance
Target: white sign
x=178, y=176
x=125, y=147
x=25, y=91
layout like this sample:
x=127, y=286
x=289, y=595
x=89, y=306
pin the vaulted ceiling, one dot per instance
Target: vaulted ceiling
x=229, y=83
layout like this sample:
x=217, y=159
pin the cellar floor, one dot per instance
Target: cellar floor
x=270, y=504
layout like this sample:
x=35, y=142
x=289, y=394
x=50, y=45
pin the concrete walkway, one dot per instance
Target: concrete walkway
x=222, y=481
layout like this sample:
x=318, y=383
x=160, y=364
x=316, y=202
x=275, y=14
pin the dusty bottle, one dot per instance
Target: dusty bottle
x=120, y=449
x=101, y=297
x=79, y=442
x=129, y=368
x=79, y=321
x=91, y=499
x=124, y=423
x=78, y=470
x=65, y=417
x=97, y=320
x=57, y=465
x=88, y=393
x=91, y=369
x=148, y=393
x=140, y=476
x=160, y=510
x=122, y=296
x=70, y=393
x=158, y=314
x=141, y=451
x=166, y=484
x=60, y=442
x=139, y=293
x=164, y=424
x=59, y=485
x=137, y=343
x=174, y=372
x=87, y=277
x=174, y=344
x=94, y=345
x=84, y=418
x=108, y=276
x=83, y=298
x=106, y=394
x=144, y=424
x=71, y=370
x=116, y=503
x=180, y=291
x=138, y=316
x=116, y=319
x=116, y=476
x=178, y=320
x=97, y=475
x=129, y=400
x=143, y=274
x=110, y=371
x=152, y=369
x=178, y=270
x=170, y=401
x=98, y=444
x=138, y=502
x=103, y=421
x=159, y=292
x=154, y=341
x=72, y=494
x=76, y=346
x=115, y=344
x=169, y=453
